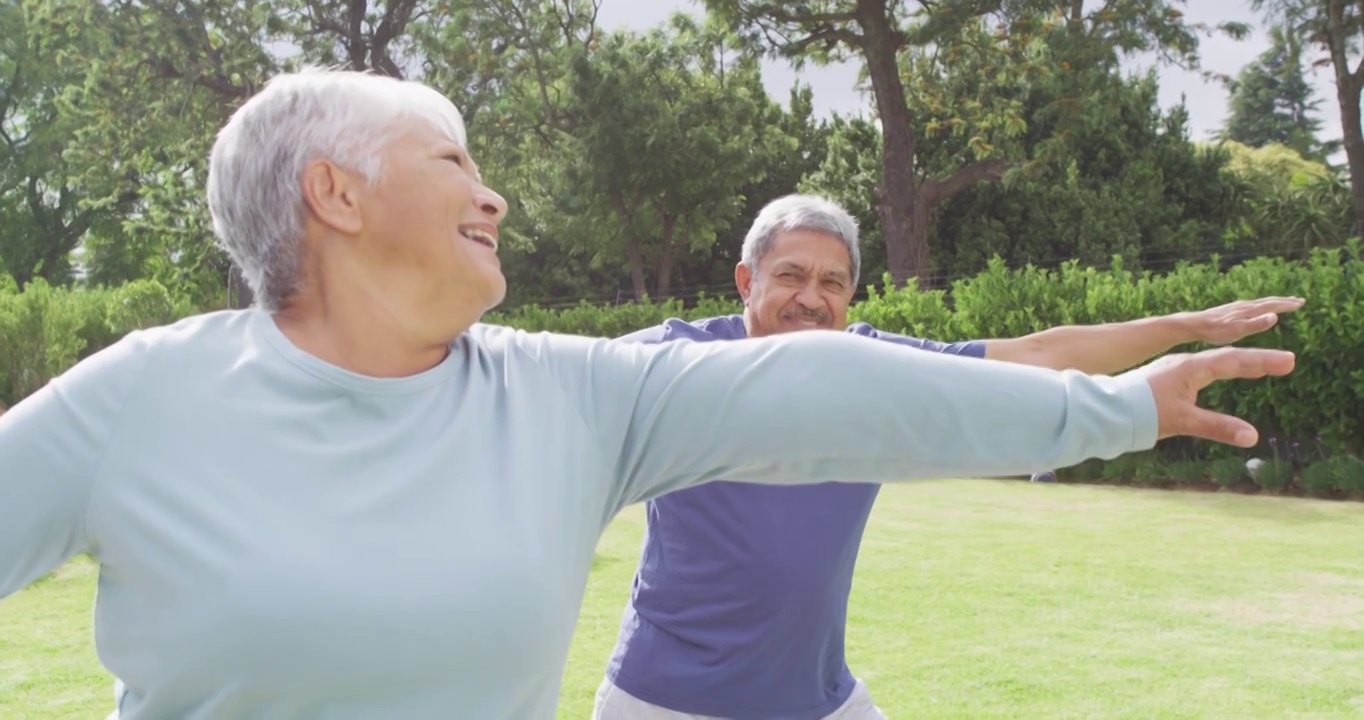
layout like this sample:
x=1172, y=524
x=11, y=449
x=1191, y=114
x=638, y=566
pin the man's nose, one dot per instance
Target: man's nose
x=808, y=297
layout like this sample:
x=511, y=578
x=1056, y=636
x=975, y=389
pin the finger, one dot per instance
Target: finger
x=1244, y=363
x=1217, y=427
x=1257, y=324
x=1276, y=304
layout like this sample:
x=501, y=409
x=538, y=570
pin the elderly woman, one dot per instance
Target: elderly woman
x=354, y=501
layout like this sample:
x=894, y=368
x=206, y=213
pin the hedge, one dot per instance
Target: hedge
x=1312, y=421
x=44, y=330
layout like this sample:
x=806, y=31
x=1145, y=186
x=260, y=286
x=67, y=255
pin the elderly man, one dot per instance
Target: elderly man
x=355, y=500
x=740, y=599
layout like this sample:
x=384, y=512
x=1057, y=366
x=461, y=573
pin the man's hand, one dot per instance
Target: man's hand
x=1225, y=324
x=1114, y=347
x=1176, y=379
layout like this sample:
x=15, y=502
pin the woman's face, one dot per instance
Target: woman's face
x=431, y=234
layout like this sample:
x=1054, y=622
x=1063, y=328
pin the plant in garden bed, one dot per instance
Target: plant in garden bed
x=1350, y=479
x=1323, y=474
x=1188, y=473
x=1275, y=474
x=1228, y=472
x=1319, y=478
x=1152, y=471
x=1339, y=473
x=1121, y=469
x=1088, y=471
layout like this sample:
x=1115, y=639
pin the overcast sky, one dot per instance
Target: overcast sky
x=1207, y=101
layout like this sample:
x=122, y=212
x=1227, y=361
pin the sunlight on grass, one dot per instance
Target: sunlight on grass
x=974, y=599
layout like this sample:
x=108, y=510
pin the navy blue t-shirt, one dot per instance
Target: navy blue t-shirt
x=740, y=600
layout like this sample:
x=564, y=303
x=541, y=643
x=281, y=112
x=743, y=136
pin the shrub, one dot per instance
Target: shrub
x=1322, y=478
x=1151, y=470
x=44, y=329
x=1274, y=475
x=1228, y=472
x=1185, y=473
x=1087, y=471
x=1349, y=476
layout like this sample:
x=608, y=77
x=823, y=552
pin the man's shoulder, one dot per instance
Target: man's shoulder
x=723, y=327
x=861, y=328
x=867, y=330
x=973, y=348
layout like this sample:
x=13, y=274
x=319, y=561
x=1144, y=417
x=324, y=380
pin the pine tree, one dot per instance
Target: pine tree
x=1271, y=102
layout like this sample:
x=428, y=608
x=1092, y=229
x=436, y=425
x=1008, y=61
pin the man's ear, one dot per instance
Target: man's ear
x=743, y=280
x=332, y=195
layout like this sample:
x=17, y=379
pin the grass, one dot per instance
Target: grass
x=974, y=599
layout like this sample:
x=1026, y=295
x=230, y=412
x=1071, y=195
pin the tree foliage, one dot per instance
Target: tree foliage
x=903, y=47
x=1271, y=102
x=1336, y=28
x=633, y=161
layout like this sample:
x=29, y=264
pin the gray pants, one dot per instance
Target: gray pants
x=616, y=704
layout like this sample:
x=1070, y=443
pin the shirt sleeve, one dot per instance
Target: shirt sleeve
x=973, y=348
x=51, y=444
x=820, y=406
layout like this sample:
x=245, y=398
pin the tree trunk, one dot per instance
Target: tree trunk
x=903, y=225
x=1347, y=95
x=663, y=283
x=1353, y=140
x=58, y=234
x=636, y=260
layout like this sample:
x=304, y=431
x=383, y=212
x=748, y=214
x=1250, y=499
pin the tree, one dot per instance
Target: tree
x=1271, y=101
x=157, y=78
x=671, y=125
x=1336, y=27
x=156, y=81
x=881, y=32
x=849, y=174
x=1125, y=180
x=44, y=215
x=355, y=35
x=639, y=146
x=1130, y=183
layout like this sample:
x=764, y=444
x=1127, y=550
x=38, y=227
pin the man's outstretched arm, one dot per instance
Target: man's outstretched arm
x=1113, y=347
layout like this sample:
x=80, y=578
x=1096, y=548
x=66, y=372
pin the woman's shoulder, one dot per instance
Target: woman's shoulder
x=174, y=344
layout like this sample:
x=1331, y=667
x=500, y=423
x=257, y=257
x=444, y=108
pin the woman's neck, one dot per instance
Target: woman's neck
x=359, y=335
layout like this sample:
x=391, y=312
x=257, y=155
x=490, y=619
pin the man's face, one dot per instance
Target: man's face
x=803, y=283
x=432, y=230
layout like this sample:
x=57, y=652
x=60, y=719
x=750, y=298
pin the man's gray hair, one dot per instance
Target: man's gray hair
x=256, y=169
x=801, y=212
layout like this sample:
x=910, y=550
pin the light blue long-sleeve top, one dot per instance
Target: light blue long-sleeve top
x=280, y=538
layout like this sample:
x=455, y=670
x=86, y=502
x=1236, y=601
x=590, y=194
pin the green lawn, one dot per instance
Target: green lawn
x=975, y=599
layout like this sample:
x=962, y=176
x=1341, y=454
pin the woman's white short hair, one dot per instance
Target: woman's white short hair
x=801, y=212
x=256, y=169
